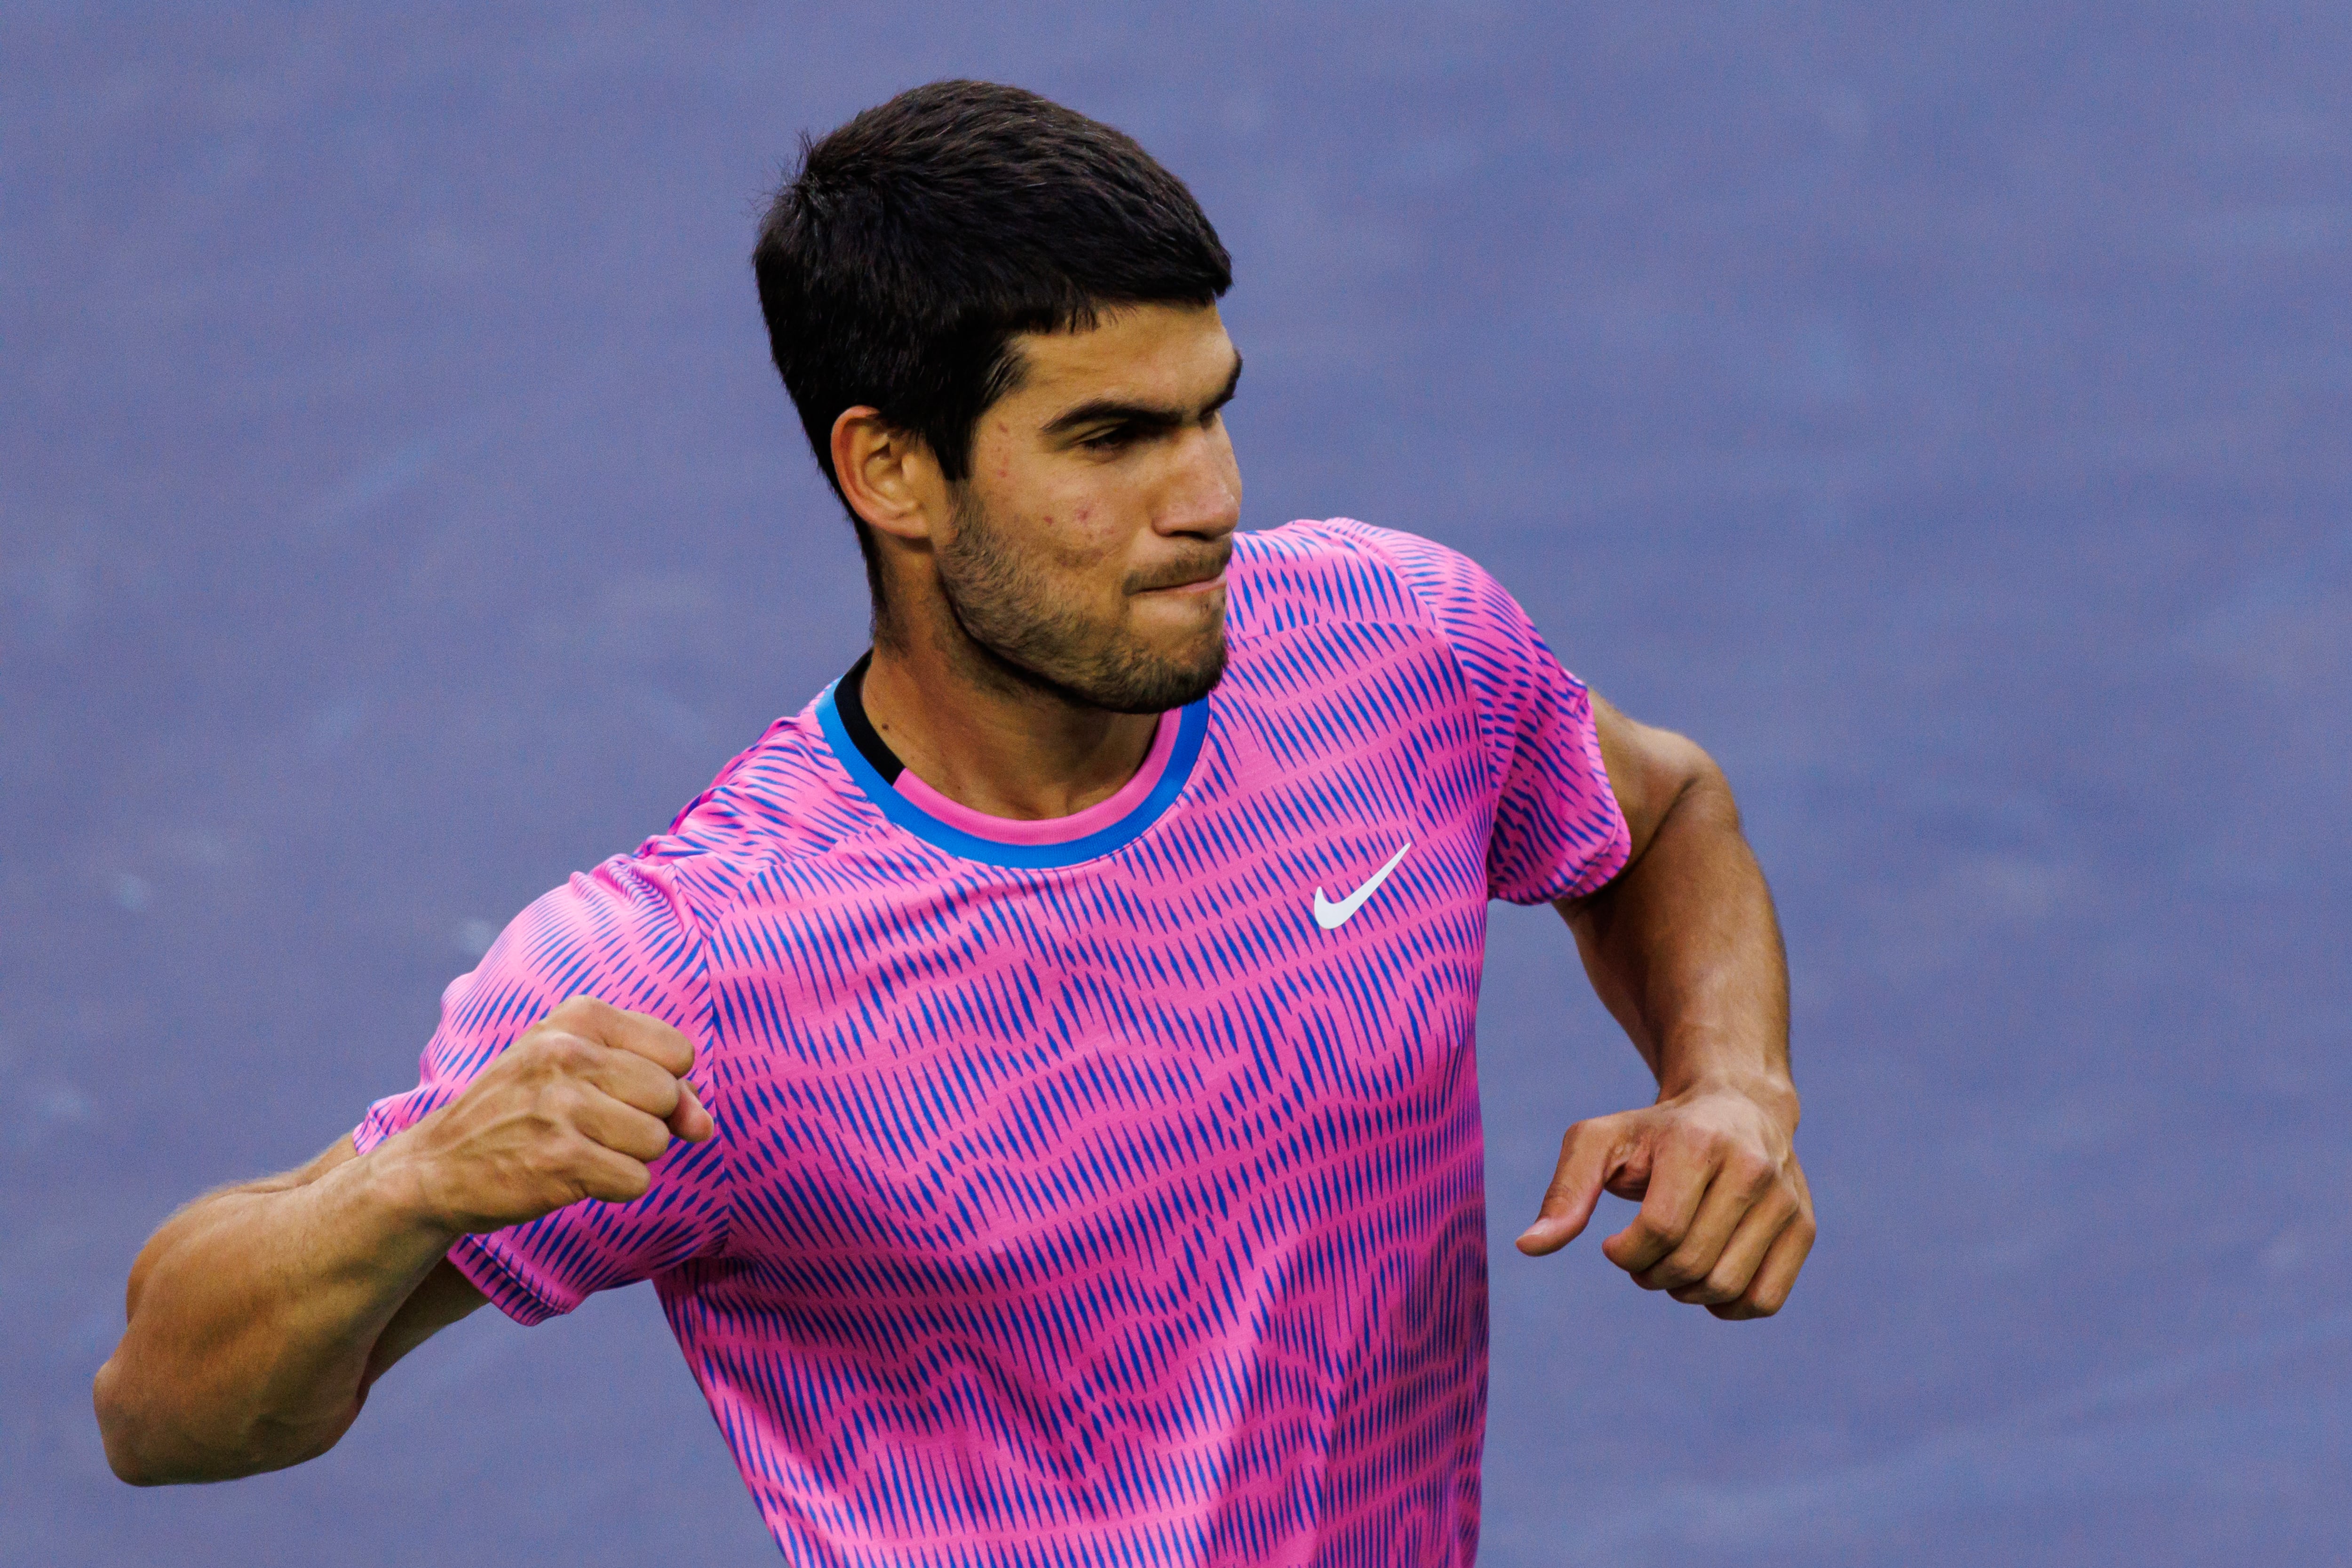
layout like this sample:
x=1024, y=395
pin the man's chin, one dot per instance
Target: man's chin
x=1150, y=684
x=1120, y=674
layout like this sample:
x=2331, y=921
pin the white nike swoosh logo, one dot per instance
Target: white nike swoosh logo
x=1331, y=916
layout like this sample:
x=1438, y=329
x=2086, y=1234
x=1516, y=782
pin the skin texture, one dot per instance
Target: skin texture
x=1039, y=615
x=1684, y=949
x=1042, y=614
x=260, y=1315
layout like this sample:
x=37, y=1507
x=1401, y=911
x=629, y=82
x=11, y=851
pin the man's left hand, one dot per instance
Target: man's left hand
x=1725, y=1218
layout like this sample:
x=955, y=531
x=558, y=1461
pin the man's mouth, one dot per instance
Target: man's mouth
x=1195, y=585
x=1200, y=577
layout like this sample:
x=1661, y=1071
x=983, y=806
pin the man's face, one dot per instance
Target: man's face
x=1090, y=542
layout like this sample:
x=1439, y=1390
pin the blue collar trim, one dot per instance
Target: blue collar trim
x=1192, y=729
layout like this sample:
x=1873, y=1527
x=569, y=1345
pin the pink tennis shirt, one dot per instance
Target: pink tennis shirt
x=1103, y=1191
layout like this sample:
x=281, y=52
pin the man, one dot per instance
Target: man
x=1038, y=1075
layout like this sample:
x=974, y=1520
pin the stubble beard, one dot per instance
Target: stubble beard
x=1010, y=616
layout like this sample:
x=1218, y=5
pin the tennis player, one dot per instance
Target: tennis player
x=1037, y=1075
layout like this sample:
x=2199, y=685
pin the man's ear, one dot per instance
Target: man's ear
x=887, y=474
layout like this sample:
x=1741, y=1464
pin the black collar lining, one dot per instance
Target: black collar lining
x=849, y=699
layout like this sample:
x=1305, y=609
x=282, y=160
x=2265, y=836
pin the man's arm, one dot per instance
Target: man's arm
x=260, y=1315
x=1684, y=949
x=256, y=1314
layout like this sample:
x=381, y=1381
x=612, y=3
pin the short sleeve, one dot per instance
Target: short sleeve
x=1559, y=832
x=624, y=935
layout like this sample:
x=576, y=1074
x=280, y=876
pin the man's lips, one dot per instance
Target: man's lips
x=1197, y=585
x=1197, y=579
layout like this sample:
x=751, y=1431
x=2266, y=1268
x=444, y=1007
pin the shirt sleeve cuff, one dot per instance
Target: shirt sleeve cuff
x=477, y=1257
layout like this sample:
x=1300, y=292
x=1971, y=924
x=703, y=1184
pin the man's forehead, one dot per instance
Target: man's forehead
x=1153, y=353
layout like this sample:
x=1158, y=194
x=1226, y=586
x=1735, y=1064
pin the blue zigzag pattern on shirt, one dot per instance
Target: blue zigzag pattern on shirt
x=1103, y=1213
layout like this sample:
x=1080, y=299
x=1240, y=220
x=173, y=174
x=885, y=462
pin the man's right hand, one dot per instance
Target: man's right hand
x=576, y=1108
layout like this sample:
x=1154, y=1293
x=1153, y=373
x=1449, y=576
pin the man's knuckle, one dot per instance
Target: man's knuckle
x=1676, y=1272
x=550, y=1052
x=586, y=1012
x=567, y=1053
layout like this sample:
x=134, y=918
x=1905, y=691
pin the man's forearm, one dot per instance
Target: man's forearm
x=253, y=1316
x=1684, y=949
x=260, y=1315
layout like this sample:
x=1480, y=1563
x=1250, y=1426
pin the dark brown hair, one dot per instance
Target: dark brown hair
x=916, y=241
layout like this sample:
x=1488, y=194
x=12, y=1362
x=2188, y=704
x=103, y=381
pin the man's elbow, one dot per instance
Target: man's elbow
x=137, y=1437
x=120, y=1429
x=147, y=1445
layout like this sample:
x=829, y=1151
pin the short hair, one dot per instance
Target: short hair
x=919, y=238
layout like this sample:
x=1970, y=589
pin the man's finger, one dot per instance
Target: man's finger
x=612, y=1178
x=1731, y=1195
x=691, y=1121
x=620, y=1127
x=640, y=1034
x=637, y=1082
x=1776, y=1276
x=1679, y=1177
x=628, y=1077
x=1588, y=1154
x=1726, y=1278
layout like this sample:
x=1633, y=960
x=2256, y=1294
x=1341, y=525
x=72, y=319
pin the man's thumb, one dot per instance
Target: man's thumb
x=1586, y=1155
x=689, y=1121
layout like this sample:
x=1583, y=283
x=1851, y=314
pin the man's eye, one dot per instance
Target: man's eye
x=1109, y=440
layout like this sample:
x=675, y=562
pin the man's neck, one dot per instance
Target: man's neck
x=998, y=745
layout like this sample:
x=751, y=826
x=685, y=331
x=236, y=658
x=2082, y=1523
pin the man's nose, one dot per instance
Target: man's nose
x=1205, y=492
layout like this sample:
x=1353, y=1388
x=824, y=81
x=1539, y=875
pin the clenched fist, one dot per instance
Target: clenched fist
x=577, y=1108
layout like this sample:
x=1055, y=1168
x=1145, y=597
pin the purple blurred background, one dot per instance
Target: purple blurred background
x=1939, y=412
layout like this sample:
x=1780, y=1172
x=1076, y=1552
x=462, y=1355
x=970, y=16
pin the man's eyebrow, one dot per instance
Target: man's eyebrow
x=1144, y=415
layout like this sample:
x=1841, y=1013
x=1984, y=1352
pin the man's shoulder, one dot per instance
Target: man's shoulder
x=780, y=801
x=1321, y=570
x=1339, y=569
